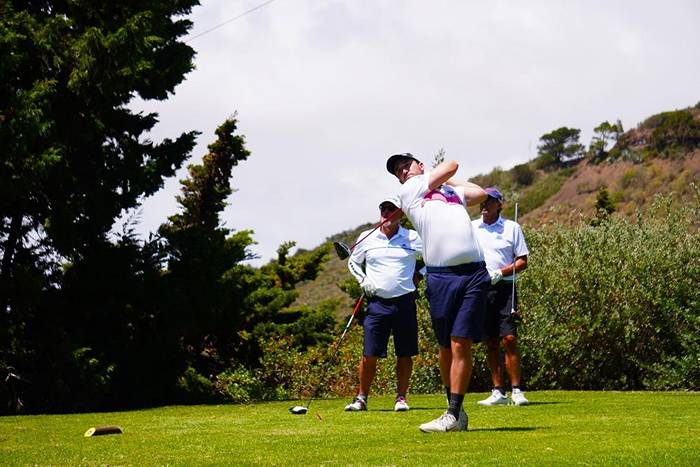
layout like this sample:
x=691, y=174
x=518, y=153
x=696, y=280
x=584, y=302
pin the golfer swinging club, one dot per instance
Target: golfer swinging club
x=505, y=252
x=457, y=277
x=388, y=282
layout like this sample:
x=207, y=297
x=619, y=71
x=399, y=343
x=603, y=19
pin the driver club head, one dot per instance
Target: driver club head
x=299, y=410
x=342, y=250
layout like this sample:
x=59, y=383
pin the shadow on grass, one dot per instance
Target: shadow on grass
x=547, y=403
x=413, y=408
x=468, y=408
x=509, y=428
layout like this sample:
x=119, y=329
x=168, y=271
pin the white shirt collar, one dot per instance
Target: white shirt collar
x=499, y=221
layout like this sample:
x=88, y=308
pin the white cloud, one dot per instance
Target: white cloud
x=326, y=90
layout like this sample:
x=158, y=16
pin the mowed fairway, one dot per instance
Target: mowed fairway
x=559, y=427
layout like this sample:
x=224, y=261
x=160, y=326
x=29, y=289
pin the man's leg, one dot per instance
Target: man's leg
x=461, y=367
x=376, y=330
x=498, y=394
x=455, y=370
x=368, y=368
x=445, y=359
x=460, y=375
x=494, y=360
x=404, y=366
x=510, y=345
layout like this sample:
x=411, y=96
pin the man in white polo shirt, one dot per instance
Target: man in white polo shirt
x=457, y=281
x=387, y=280
x=505, y=250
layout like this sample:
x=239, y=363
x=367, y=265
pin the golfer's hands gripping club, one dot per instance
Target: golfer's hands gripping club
x=368, y=287
x=496, y=276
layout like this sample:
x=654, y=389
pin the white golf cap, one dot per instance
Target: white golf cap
x=393, y=199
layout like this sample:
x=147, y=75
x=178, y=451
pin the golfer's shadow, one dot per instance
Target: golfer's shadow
x=531, y=403
x=413, y=409
x=509, y=428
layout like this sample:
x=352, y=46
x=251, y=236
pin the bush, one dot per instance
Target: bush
x=611, y=306
x=673, y=130
x=193, y=388
x=614, y=306
x=523, y=174
x=241, y=385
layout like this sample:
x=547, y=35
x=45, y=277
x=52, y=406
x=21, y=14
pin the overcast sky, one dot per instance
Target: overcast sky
x=326, y=90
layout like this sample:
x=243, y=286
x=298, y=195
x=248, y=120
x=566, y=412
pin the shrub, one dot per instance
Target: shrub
x=241, y=385
x=614, y=306
x=193, y=388
x=523, y=174
x=672, y=131
x=611, y=306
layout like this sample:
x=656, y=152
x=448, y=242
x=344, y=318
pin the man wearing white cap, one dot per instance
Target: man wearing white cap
x=505, y=252
x=387, y=280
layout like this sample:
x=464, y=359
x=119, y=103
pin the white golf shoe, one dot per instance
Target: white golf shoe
x=518, y=397
x=496, y=398
x=401, y=405
x=357, y=405
x=444, y=423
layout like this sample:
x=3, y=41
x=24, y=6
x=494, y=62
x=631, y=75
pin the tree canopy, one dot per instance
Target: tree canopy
x=559, y=146
x=74, y=156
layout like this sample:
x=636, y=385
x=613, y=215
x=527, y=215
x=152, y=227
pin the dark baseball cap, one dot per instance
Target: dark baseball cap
x=396, y=158
x=494, y=193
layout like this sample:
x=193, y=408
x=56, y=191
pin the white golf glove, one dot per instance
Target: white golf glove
x=496, y=276
x=368, y=287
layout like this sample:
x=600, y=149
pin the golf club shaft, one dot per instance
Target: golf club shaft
x=391, y=217
x=515, y=260
x=358, y=305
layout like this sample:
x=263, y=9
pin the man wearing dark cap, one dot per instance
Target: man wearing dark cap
x=505, y=252
x=457, y=280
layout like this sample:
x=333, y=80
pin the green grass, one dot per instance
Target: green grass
x=558, y=428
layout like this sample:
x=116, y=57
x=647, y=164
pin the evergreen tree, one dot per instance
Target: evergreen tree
x=603, y=135
x=604, y=206
x=73, y=158
x=559, y=146
x=216, y=299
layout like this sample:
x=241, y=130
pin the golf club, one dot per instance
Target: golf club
x=301, y=409
x=514, y=315
x=344, y=251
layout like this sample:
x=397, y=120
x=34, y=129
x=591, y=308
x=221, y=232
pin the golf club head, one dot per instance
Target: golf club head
x=299, y=410
x=342, y=250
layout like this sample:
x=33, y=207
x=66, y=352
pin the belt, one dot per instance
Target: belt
x=393, y=299
x=458, y=269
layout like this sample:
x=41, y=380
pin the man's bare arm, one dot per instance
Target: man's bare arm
x=473, y=192
x=441, y=173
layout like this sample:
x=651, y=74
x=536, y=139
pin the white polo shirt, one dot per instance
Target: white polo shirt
x=501, y=241
x=390, y=262
x=442, y=221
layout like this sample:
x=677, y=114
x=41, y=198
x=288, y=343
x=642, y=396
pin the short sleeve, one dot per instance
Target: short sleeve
x=520, y=246
x=413, y=189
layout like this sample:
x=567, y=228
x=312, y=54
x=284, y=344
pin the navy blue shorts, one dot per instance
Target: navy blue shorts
x=395, y=316
x=457, y=298
x=499, y=322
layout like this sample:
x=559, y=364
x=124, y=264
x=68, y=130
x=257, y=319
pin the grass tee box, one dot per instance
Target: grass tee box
x=559, y=427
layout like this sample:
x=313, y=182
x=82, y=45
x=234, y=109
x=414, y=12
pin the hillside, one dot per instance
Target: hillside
x=660, y=156
x=335, y=271
x=632, y=186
